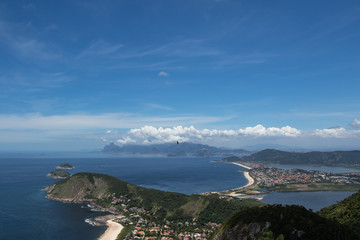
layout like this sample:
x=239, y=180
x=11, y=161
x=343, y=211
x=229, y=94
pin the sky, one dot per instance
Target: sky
x=77, y=75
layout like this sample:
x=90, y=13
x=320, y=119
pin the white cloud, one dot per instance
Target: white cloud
x=355, y=123
x=150, y=134
x=163, y=74
x=100, y=121
x=337, y=132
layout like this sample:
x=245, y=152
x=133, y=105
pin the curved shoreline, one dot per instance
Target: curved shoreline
x=251, y=181
x=113, y=230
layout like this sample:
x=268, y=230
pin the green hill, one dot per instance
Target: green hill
x=315, y=158
x=58, y=174
x=347, y=212
x=111, y=193
x=65, y=165
x=281, y=222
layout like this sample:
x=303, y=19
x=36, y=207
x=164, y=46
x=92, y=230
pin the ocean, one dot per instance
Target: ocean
x=25, y=213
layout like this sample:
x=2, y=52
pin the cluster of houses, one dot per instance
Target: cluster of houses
x=269, y=176
x=144, y=224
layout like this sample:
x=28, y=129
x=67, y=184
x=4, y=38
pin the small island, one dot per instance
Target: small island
x=65, y=165
x=58, y=174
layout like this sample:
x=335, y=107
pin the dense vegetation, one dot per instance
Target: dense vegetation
x=281, y=222
x=173, y=206
x=316, y=158
x=346, y=212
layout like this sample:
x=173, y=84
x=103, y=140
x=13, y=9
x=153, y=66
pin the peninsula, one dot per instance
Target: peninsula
x=149, y=212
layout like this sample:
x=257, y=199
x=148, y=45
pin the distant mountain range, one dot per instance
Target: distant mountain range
x=173, y=150
x=316, y=158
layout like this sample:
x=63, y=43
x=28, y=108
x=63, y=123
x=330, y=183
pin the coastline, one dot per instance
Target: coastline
x=251, y=181
x=113, y=230
x=231, y=192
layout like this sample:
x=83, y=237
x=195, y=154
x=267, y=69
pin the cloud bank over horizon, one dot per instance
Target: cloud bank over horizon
x=249, y=135
x=151, y=135
x=76, y=131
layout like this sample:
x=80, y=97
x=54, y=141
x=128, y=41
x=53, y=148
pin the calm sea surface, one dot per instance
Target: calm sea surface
x=310, y=200
x=25, y=213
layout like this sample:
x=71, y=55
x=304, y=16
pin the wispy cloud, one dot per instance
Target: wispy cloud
x=34, y=80
x=355, y=123
x=29, y=6
x=163, y=74
x=17, y=37
x=185, y=48
x=159, y=106
x=100, y=121
x=100, y=48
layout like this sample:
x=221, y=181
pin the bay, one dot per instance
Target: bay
x=25, y=213
x=310, y=200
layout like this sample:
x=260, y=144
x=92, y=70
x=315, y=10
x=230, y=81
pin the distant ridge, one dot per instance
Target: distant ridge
x=173, y=150
x=323, y=158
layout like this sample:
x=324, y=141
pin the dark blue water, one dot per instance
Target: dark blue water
x=25, y=213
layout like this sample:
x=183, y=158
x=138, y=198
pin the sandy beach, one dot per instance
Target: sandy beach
x=113, y=230
x=246, y=174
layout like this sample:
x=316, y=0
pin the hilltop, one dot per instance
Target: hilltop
x=58, y=174
x=173, y=150
x=65, y=165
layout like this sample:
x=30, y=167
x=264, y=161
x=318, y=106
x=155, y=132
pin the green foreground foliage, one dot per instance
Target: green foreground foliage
x=346, y=212
x=282, y=222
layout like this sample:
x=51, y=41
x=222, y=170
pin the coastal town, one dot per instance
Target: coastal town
x=270, y=176
x=262, y=178
x=137, y=223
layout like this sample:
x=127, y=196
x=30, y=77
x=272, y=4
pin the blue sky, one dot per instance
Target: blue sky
x=80, y=74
